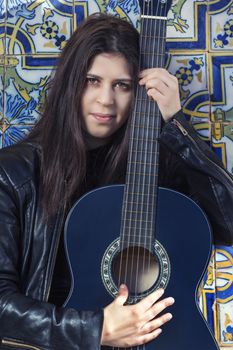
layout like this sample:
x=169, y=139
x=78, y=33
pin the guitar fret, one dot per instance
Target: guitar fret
x=146, y=36
x=137, y=228
x=143, y=163
x=152, y=115
x=141, y=194
x=152, y=140
x=146, y=99
x=143, y=150
x=134, y=168
x=152, y=53
x=144, y=174
x=134, y=230
x=139, y=221
x=135, y=212
x=142, y=184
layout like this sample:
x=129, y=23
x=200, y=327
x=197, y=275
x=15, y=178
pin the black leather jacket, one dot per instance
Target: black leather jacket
x=28, y=245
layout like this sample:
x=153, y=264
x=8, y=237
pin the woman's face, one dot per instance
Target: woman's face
x=106, y=99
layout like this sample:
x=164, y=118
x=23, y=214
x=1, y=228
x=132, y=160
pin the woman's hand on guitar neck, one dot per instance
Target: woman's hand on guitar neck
x=132, y=325
x=163, y=88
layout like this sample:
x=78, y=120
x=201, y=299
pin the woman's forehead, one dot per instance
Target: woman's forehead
x=110, y=64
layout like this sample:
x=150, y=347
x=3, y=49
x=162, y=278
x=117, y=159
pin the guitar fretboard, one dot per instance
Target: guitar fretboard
x=140, y=196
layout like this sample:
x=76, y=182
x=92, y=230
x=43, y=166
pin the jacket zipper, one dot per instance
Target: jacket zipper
x=185, y=133
x=19, y=345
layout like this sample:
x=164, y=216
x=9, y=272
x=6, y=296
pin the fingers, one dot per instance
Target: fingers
x=158, y=308
x=159, y=83
x=149, y=336
x=152, y=330
x=152, y=308
x=122, y=295
x=157, y=75
x=132, y=325
x=157, y=323
x=147, y=302
x=163, y=88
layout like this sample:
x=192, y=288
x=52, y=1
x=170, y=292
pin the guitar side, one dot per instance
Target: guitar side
x=181, y=228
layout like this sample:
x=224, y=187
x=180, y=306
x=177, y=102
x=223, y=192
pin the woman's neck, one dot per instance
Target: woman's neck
x=95, y=142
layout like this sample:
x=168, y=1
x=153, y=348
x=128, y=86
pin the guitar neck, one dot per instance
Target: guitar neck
x=140, y=196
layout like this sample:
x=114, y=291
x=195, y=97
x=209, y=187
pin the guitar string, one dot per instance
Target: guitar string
x=150, y=155
x=156, y=121
x=137, y=148
x=146, y=155
x=137, y=167
x=131, y=221
x=146, y=187
x=135, y=187
x=127, y=210
x=146, y=152
x=139, y=157
x=153, y=154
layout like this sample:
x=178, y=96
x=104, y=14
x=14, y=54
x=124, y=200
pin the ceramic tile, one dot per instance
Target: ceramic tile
x=1, y=135
x=12, y=134
x=38, y=27
x=186, y=25
x=25, y=90
x=221, y=85
x=222, y=143
x=221, y=25
x=191, y=72
x=2, y=80
x=207, y=292
x=2, y=26
x=224, y=297
x=128, y=9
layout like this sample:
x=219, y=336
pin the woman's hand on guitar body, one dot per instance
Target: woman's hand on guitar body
x=132, y=325
x=163, y=88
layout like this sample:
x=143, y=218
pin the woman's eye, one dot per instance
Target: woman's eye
x=123, y=86
x=91, y=81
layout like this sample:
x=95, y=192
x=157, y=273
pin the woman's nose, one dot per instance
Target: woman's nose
x=106, y=96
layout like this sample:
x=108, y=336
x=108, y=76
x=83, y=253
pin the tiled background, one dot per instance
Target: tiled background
x=200, y=54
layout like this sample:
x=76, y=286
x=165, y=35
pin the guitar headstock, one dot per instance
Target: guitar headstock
x=155, y=7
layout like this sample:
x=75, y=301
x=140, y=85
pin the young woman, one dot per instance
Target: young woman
x=81, y=143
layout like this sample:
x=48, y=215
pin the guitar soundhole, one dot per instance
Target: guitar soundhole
x=136, y=267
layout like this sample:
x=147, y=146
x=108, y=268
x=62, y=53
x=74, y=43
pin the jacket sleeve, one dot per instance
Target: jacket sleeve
x=193, y=168
x=26, y=322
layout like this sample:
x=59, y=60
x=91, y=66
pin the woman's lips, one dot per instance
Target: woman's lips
x=103, y=117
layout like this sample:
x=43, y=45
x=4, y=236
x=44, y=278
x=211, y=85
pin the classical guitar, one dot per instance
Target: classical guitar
x=138, y=234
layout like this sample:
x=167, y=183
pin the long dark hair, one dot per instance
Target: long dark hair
x=59, y=132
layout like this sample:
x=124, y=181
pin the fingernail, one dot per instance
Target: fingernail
x=122, y=287
x=171, y=300
x=169, y=316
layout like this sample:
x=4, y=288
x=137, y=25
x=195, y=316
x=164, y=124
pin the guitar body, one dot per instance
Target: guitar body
x=182, y=230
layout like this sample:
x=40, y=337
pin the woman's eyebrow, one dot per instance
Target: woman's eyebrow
x=126, y=80
x=91, y=75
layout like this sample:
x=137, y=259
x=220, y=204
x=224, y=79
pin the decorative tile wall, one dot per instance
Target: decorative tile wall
x=199, y=53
